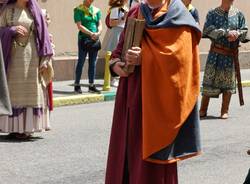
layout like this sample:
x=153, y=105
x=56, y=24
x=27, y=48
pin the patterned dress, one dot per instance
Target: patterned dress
x=28, y=96
x=219, y=73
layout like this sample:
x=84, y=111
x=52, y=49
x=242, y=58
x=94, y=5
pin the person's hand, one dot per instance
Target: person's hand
x=232, y=36
x=21, y=30
x=95, y=36
x=133, y=56
x=118, y=69
x=43, y=67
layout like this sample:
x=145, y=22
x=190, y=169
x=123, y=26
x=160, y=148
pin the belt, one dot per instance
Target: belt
x=217, y=48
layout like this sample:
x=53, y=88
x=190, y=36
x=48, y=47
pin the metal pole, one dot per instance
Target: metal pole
x=106, y=85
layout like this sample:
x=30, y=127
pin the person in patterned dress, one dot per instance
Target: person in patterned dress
x=226, y=27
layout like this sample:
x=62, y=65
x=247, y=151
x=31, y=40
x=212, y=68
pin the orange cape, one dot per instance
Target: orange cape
x=170, y=84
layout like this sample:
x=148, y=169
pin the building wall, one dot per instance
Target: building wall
x=63, y=27
x=65, y=31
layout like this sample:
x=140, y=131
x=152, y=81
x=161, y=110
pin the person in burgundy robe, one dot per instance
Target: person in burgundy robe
x=156, y=120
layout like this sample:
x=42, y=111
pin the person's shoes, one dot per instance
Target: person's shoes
x=93, y=89
x=115, y=82
x=12, y=135
x=23, y=136
x=248, y=152
x=78, y=89
x=203, y=114
x=224, y=116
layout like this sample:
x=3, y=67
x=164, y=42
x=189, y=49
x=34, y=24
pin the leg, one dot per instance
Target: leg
x=92, y=71
x=204, y=106
x=140, y=171
x=92, y=66
x=78, y=73
x=226, y=97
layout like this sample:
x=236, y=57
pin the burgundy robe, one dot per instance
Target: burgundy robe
x=125, y=164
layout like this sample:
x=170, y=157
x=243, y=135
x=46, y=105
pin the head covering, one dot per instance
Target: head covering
x=42, y=36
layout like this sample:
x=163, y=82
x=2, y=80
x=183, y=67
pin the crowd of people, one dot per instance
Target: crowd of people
x=149, y=135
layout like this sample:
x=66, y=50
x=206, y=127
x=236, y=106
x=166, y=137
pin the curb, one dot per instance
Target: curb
x=83, y=99
x=245, y=83
x=95, y=98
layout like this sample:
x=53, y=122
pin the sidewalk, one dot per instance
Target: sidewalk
x=64, y=94
x=64, y=91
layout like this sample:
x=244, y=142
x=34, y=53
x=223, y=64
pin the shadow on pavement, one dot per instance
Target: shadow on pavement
x=64, y=92
x=87, y=85
x=210, y=117
x=7, y=138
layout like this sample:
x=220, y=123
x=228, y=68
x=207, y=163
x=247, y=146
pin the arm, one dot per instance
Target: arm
x=99, y=27
x=78, y=20
x=19, y=29
x=116, y=56
x=4, y=26
x=196, y=15
x=116, y=63
x=96, y=35
x=84, y=29
x=210, y=31
x=243, y=29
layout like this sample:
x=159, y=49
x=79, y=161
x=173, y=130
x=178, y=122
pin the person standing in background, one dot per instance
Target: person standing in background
x=194, y=12
x=117, y=17
x=88, y=21
x=226, y=27
x=133, y=3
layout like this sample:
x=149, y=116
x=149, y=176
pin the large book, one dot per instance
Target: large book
x=133, y=36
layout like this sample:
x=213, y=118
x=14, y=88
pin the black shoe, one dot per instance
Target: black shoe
x=93, y=89
x=78, y=89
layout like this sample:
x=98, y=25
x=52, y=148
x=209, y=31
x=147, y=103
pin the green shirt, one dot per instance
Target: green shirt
x=89, y=18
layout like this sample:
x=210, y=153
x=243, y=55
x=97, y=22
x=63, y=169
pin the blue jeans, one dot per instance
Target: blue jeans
x=82, y=53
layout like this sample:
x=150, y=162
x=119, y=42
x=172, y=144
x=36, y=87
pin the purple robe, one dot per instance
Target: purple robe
x=43, y=43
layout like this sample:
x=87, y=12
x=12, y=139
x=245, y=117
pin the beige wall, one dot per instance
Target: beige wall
x=65, y=32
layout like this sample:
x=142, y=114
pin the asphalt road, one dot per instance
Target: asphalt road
x=75, y=151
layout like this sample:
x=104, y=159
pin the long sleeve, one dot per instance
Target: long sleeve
x=118, y=50
x=210, y=30
x=6, y=35
x=243, y=29
x=5, y=107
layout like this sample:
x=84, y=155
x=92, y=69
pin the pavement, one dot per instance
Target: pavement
x=64, y=91
x=75, y=150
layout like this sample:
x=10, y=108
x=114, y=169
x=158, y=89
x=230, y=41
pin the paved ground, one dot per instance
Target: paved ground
x=75, y=151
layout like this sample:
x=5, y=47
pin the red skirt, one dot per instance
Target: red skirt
x=125, y=164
